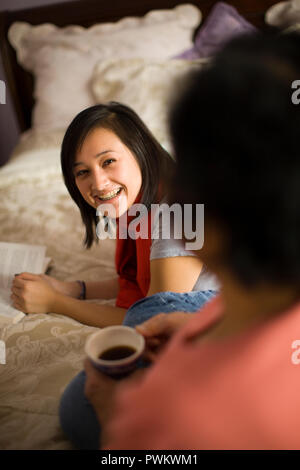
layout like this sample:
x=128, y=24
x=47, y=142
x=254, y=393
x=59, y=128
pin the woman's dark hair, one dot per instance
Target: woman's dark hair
x=235, y=132
x=155, y=163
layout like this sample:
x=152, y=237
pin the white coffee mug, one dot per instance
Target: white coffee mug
x=110, y=337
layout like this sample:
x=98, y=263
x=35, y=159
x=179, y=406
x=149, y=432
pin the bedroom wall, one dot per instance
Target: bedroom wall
x=9, y=130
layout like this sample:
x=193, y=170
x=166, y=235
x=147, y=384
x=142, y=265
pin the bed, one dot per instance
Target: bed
x=106, y=56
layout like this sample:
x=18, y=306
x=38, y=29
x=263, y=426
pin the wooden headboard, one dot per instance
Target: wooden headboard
x=87, y=13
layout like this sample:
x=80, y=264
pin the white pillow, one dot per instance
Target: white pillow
x=147, y=86
x=62, y=59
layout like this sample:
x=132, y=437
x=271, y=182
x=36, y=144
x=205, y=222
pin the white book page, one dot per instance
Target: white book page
x=8, y=314
x=14, y=259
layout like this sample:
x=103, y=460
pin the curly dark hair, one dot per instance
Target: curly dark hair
x=155, y=163
x=235, y=131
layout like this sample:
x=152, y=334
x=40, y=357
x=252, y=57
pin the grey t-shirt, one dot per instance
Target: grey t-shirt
x=171, y=247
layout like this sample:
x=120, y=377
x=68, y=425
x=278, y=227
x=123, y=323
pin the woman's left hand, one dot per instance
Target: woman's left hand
x=32, y=294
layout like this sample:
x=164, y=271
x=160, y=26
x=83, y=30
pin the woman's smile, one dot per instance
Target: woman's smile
x=108, y=196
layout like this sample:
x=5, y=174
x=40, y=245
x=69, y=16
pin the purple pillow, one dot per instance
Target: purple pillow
x=222, y=24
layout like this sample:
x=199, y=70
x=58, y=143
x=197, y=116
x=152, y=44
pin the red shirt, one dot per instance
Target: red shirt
x=233, y=393
x=132, y=264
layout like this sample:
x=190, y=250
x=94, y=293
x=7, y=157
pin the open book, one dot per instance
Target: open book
x=16, y=258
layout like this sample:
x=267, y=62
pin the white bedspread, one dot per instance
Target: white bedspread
x=43, y=352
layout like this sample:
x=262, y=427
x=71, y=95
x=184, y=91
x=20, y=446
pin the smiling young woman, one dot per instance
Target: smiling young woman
x=110, y=159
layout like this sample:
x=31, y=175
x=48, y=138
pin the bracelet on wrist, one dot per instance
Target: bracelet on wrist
x=82, y=295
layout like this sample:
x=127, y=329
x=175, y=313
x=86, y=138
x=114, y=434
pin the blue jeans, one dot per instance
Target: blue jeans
x=77, y=416
x=166, y=302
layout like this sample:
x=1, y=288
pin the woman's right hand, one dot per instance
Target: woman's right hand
x=158, y=330
x=70, y=288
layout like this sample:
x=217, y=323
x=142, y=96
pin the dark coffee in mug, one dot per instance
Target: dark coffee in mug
x=117, y=352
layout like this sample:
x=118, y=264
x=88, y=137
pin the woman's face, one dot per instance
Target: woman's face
x=107, y=173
